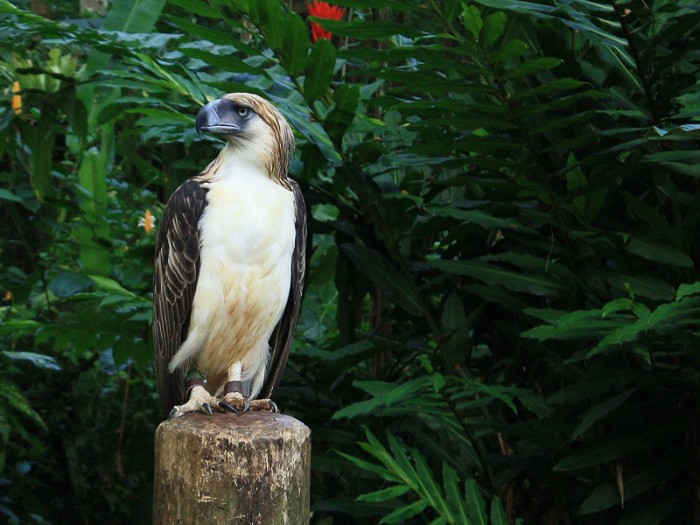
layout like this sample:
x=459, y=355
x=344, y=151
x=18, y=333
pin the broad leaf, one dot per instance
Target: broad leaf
x=319, y=70
x=385, y=275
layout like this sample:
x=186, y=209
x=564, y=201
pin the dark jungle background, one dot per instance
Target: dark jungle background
x=503, y=308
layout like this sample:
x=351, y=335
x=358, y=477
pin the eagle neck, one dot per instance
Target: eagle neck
x=234, y=161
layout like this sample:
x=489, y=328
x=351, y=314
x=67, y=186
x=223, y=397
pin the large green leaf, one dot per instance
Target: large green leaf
x=494, y=25
x=687, y=289
x=498, y=514
x=658, y=511
x=133, y=16
x=388, y=493
x=477, y=216
x=473, y=21
x=385, y=395
x=658, y=252
x=41, y=361
x=593, y=385
x=533, y=66
x=385, y=275
x=667, y=317
x=580, y=325
x=477, y=505
x=12, y=398
x=228, y=62
x=41, y=141
x=601, y=410
x=319, y=70
x=93, y=234
x=129, y=16
x=267, y=15
x=540, y=285
x=637, y=481
x=459, y=507
x=610, y=449
x=295, y=50
x=402, y=514
x=65, y=284
x=337, y=122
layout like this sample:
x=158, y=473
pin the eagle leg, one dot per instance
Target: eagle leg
x=233, y=399
x=200, y=401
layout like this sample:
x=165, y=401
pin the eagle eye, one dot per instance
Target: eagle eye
x=243, y=111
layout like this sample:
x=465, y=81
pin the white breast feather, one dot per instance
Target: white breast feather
x=247, y=240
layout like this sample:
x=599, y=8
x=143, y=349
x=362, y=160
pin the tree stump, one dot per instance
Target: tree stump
x=218, y=469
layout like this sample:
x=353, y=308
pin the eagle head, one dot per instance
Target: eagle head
x=252, y=126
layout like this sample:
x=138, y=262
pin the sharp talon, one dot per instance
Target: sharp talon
x=172, y=413
x=225, y=405
x=236, y=402
x=207, y=407
x=273, y=407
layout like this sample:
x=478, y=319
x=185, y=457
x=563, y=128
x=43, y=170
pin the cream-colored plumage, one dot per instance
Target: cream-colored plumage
x=244, y=274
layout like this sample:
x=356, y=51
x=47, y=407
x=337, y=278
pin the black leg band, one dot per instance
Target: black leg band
x=233, y=387
x=193, y=382
x=193, y=379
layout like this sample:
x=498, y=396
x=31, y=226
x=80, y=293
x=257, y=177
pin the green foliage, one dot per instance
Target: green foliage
x=503, y=299
x=409, y=471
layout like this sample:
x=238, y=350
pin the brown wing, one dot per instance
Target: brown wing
x=281, y=339
x=174, y=283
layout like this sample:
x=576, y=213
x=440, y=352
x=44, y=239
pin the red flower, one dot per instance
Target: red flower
x=323, y=10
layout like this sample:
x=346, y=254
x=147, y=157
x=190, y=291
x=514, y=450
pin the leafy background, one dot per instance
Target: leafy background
x=501, y=322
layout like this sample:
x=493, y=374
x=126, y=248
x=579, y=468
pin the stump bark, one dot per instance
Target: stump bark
x=232, y=469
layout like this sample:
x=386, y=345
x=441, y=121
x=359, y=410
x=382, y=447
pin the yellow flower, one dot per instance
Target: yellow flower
x=8, y=296
x=16, y=98
x=148, y=221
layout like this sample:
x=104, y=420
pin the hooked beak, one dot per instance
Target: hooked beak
x=209, y=120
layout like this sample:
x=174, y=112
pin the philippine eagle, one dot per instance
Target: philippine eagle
x=229, y=266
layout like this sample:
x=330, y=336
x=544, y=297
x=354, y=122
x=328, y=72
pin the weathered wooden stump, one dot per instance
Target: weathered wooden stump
x=231, y=469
